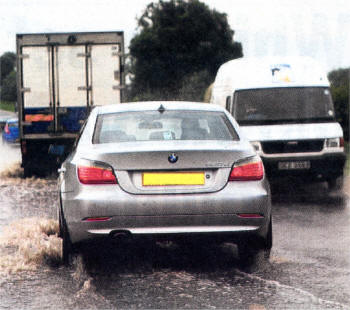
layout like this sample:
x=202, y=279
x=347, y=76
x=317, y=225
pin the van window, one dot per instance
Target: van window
x=281, y=105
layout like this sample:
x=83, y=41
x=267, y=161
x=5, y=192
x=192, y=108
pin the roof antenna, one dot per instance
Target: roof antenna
x=161, y=109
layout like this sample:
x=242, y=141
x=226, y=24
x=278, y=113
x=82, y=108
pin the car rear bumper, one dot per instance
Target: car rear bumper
x=218, y=213
x=10, y=139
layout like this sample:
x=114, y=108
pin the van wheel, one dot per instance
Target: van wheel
x=253, y=250
x=249, y=254
x=335, y=184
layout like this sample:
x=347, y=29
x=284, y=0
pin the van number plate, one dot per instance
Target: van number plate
x=294, y=165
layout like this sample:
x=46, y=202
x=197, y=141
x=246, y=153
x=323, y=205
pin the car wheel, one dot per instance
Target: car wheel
x=268, y=240
x=59, y=217
x=250, y=251
x=67, y=247
x=335, y=184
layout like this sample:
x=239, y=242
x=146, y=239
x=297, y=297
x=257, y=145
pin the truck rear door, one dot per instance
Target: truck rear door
x=37, y=88
x=62, y=80
x=86, y=76
x=105, y=74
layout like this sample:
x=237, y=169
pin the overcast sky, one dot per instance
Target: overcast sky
x=318, y=28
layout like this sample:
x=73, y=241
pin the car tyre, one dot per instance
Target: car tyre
x=67, y=247
x=268, y=241
x=251, y=251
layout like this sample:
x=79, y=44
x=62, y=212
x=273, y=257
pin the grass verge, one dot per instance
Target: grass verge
x=7, y=106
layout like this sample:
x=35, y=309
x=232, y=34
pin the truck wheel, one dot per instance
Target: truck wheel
x=335, y=184
x=27, y=171
x=66, y=242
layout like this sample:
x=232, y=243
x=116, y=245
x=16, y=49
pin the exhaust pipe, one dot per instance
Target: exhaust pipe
x=120, y=235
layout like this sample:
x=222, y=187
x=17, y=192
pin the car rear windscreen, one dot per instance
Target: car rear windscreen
x=168, y=125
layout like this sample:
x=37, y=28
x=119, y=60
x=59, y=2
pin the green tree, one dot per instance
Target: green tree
x=179, y=42
x=8, y=88
x=340, y=85
x=7, y=64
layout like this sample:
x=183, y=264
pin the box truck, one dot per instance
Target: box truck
x=60, y=78
x=284, y=107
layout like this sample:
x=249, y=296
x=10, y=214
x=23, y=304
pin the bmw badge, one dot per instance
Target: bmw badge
x=173, y=158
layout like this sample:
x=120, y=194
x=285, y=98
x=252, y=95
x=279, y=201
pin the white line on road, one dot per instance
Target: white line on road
x=313, y=298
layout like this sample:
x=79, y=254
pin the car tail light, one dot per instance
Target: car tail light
x=248, y=170
x=91, y=172
x=341, y=142
x=6, y=129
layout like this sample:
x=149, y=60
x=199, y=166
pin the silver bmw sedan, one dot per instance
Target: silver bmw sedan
x=164, y=170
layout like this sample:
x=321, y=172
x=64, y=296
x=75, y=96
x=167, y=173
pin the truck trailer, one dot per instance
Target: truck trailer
x=60, y=78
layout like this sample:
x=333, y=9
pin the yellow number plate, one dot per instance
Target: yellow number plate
x=172, y=178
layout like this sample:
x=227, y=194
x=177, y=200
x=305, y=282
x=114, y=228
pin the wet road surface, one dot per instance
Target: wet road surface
x=309, y=267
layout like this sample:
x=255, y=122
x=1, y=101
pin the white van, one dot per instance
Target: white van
x=284, y=107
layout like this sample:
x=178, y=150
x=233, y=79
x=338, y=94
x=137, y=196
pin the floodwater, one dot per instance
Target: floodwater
x=309, y=267
x=10, y=155
x=28, y=232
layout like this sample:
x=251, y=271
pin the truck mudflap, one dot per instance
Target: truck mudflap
x=44, y=156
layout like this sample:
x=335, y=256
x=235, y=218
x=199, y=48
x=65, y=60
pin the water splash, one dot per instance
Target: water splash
x=9, y=155
x=28, y=244
x=11, y=171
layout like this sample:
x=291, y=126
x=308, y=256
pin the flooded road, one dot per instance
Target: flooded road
x=309, y=266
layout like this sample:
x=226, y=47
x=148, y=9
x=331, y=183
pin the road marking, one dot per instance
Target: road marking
x=277, y=284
